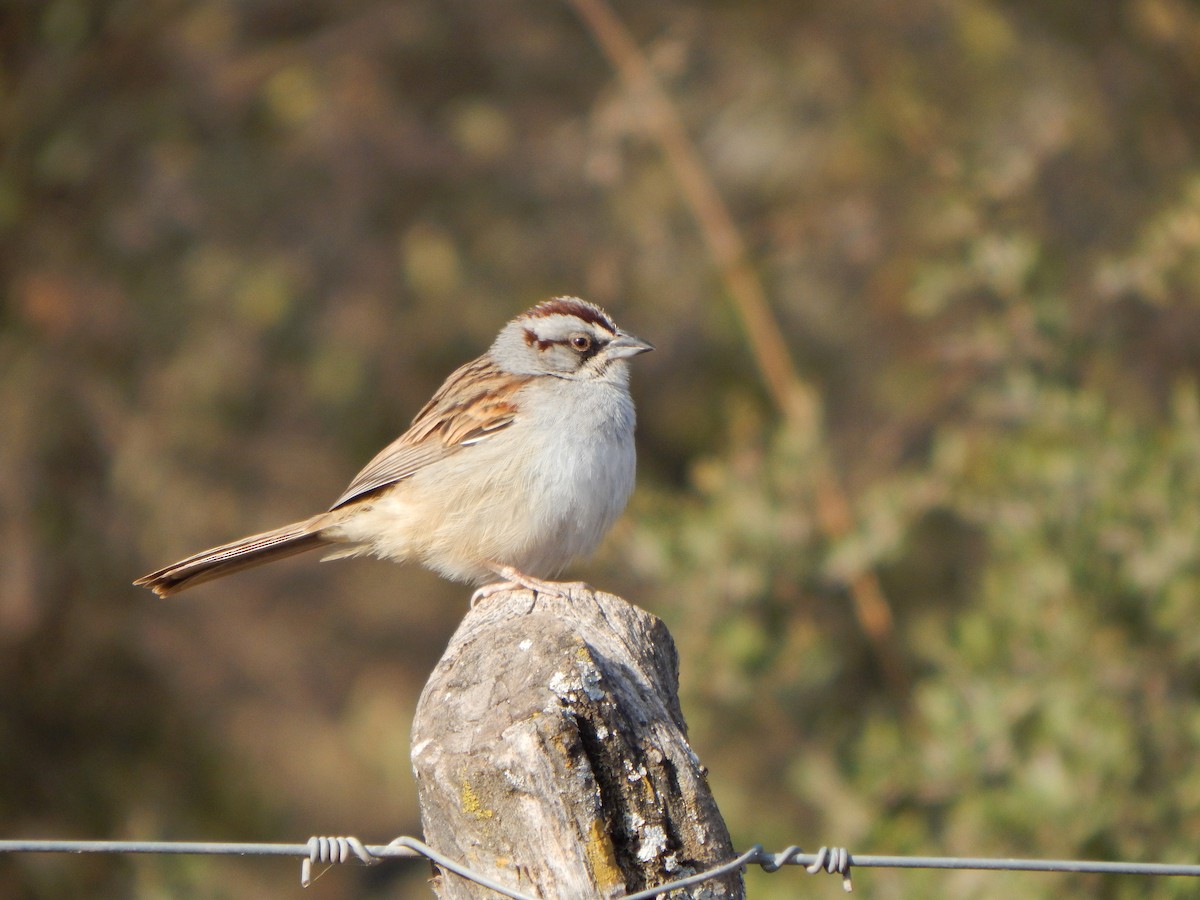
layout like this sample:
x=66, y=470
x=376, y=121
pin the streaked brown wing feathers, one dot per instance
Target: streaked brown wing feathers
x=475, y=402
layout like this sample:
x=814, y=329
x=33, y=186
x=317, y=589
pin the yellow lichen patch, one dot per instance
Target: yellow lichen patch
x=601, y=859
x=560, y=744
x=471, y=803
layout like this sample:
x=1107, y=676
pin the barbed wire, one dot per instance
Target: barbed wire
x=836, y=860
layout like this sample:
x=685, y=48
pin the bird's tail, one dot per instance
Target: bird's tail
x=233, y=557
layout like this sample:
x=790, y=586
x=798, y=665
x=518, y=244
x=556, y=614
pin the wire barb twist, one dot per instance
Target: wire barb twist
x=332, y=851
x=834, y=860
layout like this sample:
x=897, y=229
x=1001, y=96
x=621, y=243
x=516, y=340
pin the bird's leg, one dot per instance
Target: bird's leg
x=514, y=578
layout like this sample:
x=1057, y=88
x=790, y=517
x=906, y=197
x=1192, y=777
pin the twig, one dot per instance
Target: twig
x=797, y=401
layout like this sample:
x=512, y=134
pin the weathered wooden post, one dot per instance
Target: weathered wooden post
x=551, y=754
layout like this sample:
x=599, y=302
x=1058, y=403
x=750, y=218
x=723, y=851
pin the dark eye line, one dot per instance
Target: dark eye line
x=591, y=348
x=594, y=344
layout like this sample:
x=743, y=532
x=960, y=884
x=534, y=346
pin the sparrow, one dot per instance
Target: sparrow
x=519, y=463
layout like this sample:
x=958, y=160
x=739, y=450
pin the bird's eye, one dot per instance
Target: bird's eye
x=581, y=342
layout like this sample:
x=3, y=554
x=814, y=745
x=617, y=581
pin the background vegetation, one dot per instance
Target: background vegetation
x=240, y=243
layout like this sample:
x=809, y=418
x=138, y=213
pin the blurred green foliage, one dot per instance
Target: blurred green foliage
x=240, y=243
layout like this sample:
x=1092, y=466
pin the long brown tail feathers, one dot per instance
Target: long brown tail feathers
x=233, y=557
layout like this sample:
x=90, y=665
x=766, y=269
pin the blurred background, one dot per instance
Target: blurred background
x=947, y=607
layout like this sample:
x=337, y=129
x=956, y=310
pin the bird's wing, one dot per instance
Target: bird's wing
x=474, y=403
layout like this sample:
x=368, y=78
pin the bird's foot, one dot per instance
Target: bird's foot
x=487, y=590
x=514, y=578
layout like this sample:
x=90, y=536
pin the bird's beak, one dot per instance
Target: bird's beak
x=626, y=345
